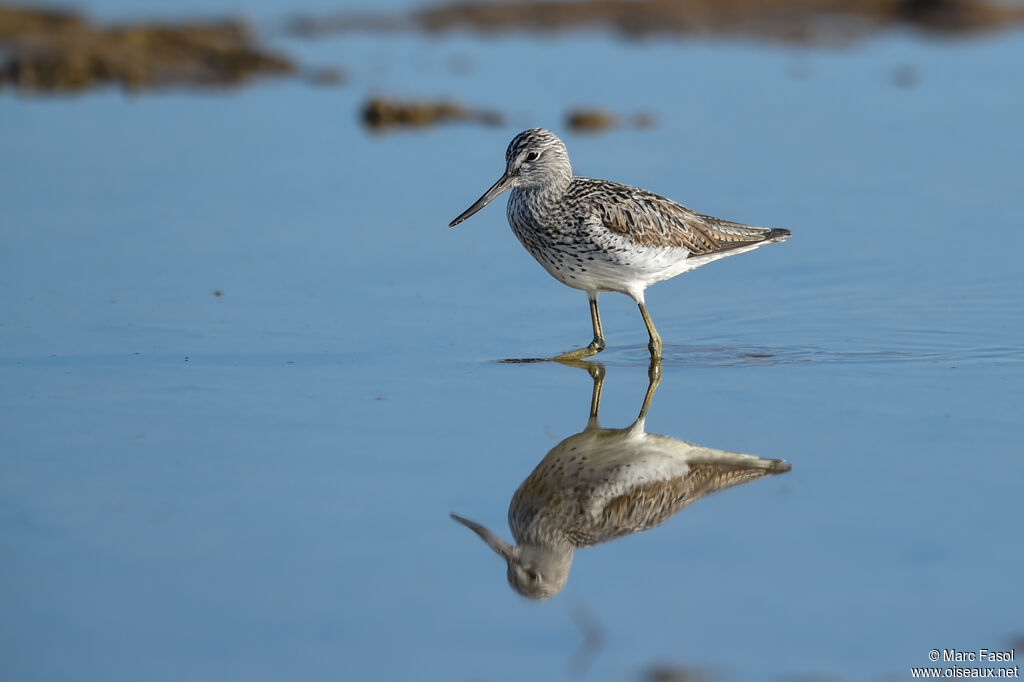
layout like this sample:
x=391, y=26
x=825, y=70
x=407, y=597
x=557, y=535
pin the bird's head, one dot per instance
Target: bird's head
x=534, y=158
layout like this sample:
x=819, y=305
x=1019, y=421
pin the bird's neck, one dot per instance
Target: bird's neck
x=555, y=184
x=541, y=199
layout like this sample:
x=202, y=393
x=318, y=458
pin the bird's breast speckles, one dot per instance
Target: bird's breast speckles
x=561, y=236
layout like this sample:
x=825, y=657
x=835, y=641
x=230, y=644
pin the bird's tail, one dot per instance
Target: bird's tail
x=730, y=236
x=776, y=466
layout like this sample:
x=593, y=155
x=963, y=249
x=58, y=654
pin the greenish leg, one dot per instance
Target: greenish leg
x=654, y=378
x=597, y=345
x=655, y=344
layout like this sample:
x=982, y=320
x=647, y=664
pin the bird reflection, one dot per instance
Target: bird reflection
x=601, y=484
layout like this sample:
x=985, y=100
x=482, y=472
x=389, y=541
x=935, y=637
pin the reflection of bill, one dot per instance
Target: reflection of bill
x=601, y=484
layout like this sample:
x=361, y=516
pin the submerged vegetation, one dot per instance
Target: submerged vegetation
x=381, y=112
x=57, y=50
x=801, y=21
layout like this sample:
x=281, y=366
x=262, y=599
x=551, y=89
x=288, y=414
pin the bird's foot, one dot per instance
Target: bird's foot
x=595, y=347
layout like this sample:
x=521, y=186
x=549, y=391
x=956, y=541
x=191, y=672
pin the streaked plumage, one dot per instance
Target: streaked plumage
x=598, y=235
x=602, y=484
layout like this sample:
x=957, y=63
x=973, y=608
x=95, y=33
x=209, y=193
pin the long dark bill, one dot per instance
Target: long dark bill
x=503, y=183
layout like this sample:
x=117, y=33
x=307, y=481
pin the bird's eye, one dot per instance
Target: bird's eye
x=532, y=156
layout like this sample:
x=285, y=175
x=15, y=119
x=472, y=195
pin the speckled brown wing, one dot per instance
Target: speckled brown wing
x=647, y=505
x=652, y=220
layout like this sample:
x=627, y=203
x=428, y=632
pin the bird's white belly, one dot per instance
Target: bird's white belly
x=614, y=264
x=626, y=271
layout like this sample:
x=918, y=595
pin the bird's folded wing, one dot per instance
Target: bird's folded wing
x=652, y=220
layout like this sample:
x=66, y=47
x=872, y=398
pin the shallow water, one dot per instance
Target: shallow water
x=256, y=484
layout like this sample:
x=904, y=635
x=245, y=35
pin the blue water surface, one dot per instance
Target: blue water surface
x=247, y=370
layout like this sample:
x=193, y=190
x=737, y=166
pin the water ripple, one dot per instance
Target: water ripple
x=737, y=355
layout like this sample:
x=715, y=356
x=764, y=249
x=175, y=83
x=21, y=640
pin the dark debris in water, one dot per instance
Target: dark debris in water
x=57, y=50
x=381, y=113
x=678, y=673
x=592, y=119
x=799, y=21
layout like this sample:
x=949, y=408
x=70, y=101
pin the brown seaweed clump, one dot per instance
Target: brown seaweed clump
x=53, y=50
x=801, y=21
x=381, y=113
x=795, y=21
x=592, y=120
